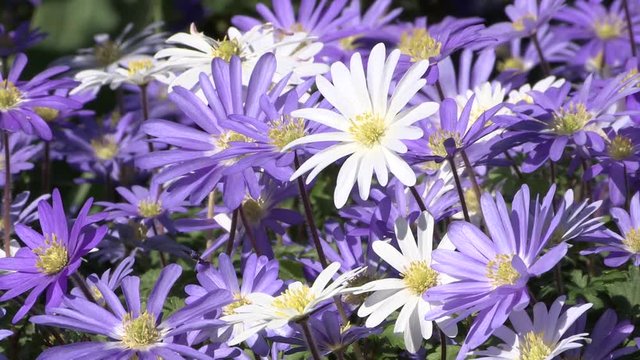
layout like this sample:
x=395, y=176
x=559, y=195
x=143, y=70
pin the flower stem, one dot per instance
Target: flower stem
x=232, y=232
x=543, y=62
x=6, y=200
x=145, y=111
x=443, y=345
x=248, y=230
x=82, y=284
x=552, y=170
x=463, y=202
x=308, y=212
x=308, y=337
x=472, y=175
x=418, y=198
x=514, y=166
x=632, y=40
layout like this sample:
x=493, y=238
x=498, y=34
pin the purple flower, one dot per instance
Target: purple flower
x=259, y=275
x=457, y=132
x=146, y=204
x=199, y=155
x=527, y=16
x=22, y=154
x=603, y=31
x=106, y=148
x=48, y=259
x=111, y=278
x=317, y=19
x=624, y=246
x=19, y=39
x=19, y=99
x=22, y=211
x=556, y=120
x=493, y=281
x=132, y=331
x=606, y=337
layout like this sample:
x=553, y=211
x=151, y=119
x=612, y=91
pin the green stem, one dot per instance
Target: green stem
x=546, y=69
x=232, y=232
x=6, y=202
x=463, y=202
x=632, y=40
x=308, y=337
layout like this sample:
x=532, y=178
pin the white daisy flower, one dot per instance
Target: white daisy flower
x=137, y=70
x=540, y=339
x=370, y=125
x=413, y=262
x=298, y=301
x=524, y=92
x=487, y=95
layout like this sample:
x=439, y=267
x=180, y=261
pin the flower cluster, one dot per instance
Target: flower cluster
x=327, y=180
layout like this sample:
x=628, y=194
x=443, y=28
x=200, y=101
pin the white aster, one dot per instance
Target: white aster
x=264, y=311
x=368, y=124
x=487, y=95
x=413, y=262
x=138, y=70
x=540, y=339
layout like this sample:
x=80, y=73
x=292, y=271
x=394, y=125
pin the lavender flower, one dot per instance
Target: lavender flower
x=19, y=39
x=22, y=153
x=131, y=331
x=48, y=259
x=19, y=99
x=498, y=268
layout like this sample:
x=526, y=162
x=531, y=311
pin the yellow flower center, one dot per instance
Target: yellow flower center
x=632, y=240
x=282, y=132
x=225, y=140
x=107, y=52
x=437, y=139
x=253, y=210
x=296, y=299
x=9, y=95
x=512, y=63
x=46, y=113
x=519, y=24
x=149, y=208
x=419, y=44
x=608, y=27
x=140, y=332
x=138, y=66
x=348, y=43
x=501, y=272
x=52, y=257
x=368, y=129
x=105, y=147
x=596, y=62
x=620, y=147
x=533, y=347
x=473, y=205
x=419, y=277
x=568, y=121
x=239, y=301
x=226, y=49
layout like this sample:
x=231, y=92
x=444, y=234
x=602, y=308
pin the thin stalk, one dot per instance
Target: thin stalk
x=308, y=212
x=440, y=91
x=158, y=229
x=308, y=337
x=472, y=175
x=248, y=230
x=514, y=166
x=443, y=345
x=82, y=284
x=626, y=186
x=232, y=232
x=463, y=202
x=557, y=272
x=546, y=69
x=145, y=111
x=418, y=198
x=46, y=168
x=6, y=200
x=552, y=169
x=210, y=208
x=632, y=40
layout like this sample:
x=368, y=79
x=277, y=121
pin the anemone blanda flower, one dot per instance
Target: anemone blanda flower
x=297, y=301
x=526, y=17
x=199, y=155
x=493, y=283
x=606, y=337
x=112, y=278
x=133, y=331
x=539, y=338
x=50, y=257
x=19, y=99
x=624, y=246
x=259, y=275
x=369, y=126
x=19, y=39
x=413, y=263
